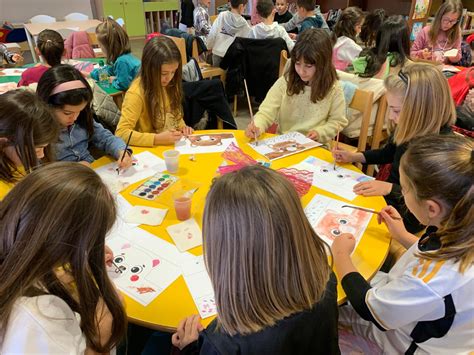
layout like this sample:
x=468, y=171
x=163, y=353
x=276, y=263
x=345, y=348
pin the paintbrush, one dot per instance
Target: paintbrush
x=125, y=150
x=116, y=266
x=250, y=109
x=368, y=210
x=337, y=146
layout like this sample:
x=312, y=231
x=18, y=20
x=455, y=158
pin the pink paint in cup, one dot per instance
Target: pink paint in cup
x=182, y=204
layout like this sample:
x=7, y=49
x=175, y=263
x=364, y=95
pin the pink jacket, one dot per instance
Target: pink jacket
x=422, y=41
x=77, y=45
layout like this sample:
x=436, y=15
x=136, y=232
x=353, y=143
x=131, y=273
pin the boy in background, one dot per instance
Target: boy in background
x=282, y=15
x=268, y=28
x=202, y=23
x=10, y=57
x=227, y=26
x=309, y=14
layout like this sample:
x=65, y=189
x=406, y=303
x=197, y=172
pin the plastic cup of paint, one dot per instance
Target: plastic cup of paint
x=182, y=204
x=171, y=160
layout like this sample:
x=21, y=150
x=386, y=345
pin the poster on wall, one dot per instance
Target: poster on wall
x=421, y=9
x=416, y=28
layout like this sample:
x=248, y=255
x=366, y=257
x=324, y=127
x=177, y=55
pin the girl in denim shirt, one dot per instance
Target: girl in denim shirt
x=70, y=96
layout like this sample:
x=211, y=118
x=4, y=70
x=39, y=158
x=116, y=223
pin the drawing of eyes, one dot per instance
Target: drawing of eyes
x=335, y=232
x=325, y=170
x=119, y=259
x=340, y=176
x=343, y=221
x=137, y=269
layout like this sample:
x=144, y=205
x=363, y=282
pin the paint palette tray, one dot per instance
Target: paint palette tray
x=154, y=186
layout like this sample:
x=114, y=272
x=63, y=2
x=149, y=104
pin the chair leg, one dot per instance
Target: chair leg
x=220, y=123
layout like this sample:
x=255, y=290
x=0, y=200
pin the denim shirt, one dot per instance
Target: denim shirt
x=74, y=143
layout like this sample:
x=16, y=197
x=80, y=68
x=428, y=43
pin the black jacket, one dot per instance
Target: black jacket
x=256, y=60
x=309, y=332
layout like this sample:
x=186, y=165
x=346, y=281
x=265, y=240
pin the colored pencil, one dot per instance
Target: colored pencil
x=337, y=146
x=125, y=150
x=368, y=210
x=250, y=108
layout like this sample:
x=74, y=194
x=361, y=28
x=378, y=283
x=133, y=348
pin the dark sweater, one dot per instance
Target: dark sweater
x=287, y=16
x=391, y=154
x=308, y=332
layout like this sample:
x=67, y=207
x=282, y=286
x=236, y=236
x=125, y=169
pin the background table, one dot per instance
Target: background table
x=175, y=302
x=33, y=29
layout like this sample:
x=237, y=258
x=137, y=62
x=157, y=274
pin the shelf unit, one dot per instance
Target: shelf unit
x=158, y=11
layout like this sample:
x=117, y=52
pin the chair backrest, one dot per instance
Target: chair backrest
x=42, y=19
x=65, y=32
x=180, y=42
x=76, y=16
x=283, y=60
x=362, y=102
x=378, y=128
x=212, y=18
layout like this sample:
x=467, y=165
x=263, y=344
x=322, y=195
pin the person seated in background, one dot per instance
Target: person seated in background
x=268, y=28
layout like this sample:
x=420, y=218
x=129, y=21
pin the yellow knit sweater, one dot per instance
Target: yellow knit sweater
x=298, y=114
x=135, y=118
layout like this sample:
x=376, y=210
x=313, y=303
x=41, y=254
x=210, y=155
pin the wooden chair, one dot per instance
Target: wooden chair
x=212, y=18
x=181, y=44
x=283, y=61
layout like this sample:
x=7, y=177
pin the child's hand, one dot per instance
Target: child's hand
x=186, y=130
x=252, y=131
x=109, y=256
x=187, y=332
x=17, y=58
x=426, y=54
x=394, y=221
x=85, y=163
x=126, y=162
x=343, y=245
x=342, y=156
x=111, y=79
x=292, y=36
x=313, y=135
x=373, y=188
x=167, y=137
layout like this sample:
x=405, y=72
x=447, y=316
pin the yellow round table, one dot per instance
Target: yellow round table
x=175, y=303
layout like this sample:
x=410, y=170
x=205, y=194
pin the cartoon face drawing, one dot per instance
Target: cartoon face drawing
x=203, y=140
x=343, y=175
x=335, y=223
x=282, y=148
x=132, y=266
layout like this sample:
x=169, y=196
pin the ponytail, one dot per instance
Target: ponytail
x=51, y=46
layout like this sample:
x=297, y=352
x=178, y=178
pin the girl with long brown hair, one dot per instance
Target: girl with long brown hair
x=308, y=98
x=274, y=289
x=122, y=65
x=55, y=295
x=443, y=35
x=420, y=103
x=347, y=28
x=152, y=108
x=424, y=305
x=27, y=130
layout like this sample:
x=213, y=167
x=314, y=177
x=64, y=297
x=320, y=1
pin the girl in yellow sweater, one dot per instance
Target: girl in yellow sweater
x=152, y=106
x=308, y=98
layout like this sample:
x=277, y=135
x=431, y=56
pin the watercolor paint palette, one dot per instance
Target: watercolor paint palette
x=154, y=186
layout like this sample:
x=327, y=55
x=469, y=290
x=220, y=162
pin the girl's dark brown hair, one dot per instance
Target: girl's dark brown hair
x=441, y=168
x=51, y=46
x=58, y=216
x=370, y=27
x=264, y=259
x=454, y=32
x=347, y=21
x=113, y=38
x=27, y=123
x=314, y=46
x=158, y=51
x=61, y=74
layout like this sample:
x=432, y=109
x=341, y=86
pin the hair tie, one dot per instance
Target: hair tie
x=67, y=86
x=48, y=40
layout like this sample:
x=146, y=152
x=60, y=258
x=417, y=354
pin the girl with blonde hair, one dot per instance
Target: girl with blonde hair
x=55, y=295
x=424, y=305
x=443, y=35
x=269, y=271
x=420, y=103
x=122, y=66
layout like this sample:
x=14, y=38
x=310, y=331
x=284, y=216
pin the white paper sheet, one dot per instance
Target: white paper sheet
x=199, y=285
x=12, y=71
x=329, y=219
x=205, y=143
x=283, y=145
x=147, y=164
x=340, y=181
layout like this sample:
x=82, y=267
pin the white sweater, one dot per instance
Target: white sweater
x=43, y=325
x=225, y=28
x=298, y=113
x=263, y=31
